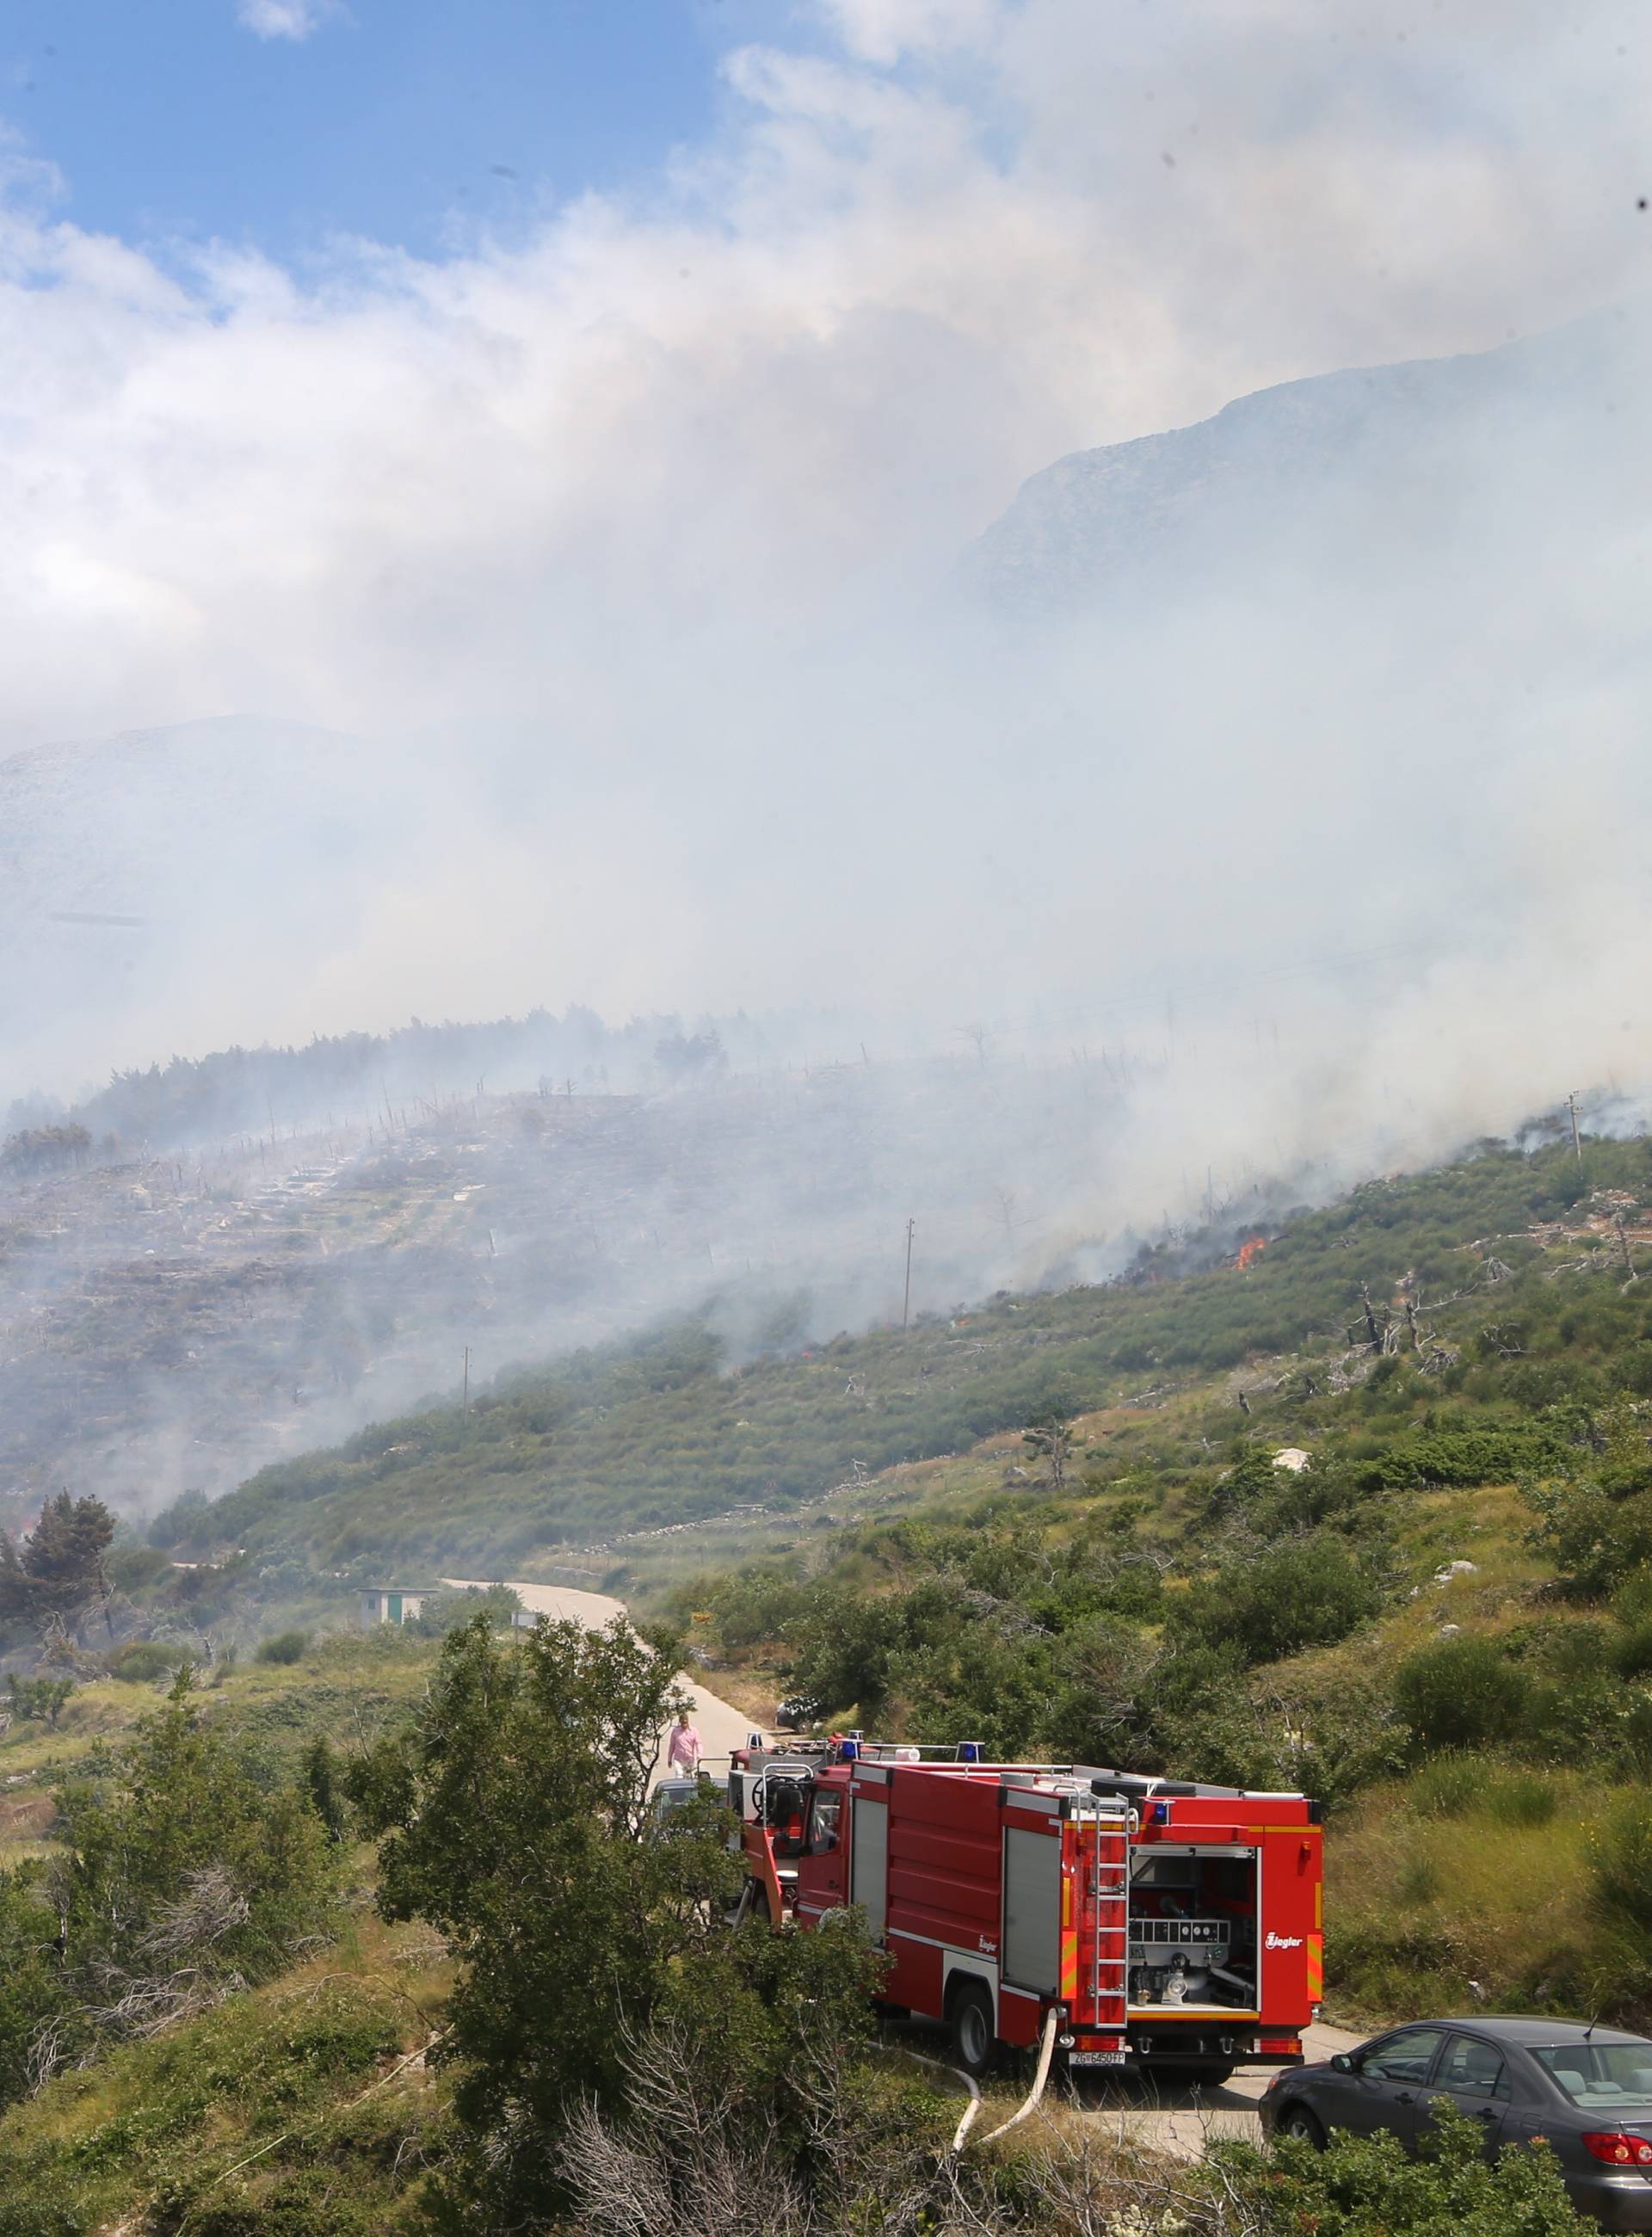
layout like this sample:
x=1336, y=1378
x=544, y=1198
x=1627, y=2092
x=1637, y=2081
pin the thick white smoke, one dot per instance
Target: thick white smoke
x=625, y=551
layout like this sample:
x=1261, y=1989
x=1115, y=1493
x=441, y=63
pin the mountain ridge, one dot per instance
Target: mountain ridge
x=1295, y=460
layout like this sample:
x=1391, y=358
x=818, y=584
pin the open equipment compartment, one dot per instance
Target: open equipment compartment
x=1192, y=1935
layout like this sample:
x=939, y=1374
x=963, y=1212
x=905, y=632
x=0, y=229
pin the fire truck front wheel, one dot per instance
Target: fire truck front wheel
x=969, y=2014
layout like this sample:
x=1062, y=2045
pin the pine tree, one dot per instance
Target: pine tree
x=59, y=1568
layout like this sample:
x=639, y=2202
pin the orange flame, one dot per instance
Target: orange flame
x=1256, y=1244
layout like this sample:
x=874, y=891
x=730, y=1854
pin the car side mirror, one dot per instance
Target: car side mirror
x=1341, y=2062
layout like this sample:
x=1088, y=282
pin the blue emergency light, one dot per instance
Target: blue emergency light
x=1160, y=1814
x=969, y=1751
x=847, y=1750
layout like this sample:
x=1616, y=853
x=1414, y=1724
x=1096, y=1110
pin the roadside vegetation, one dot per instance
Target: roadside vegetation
x=580, y=2048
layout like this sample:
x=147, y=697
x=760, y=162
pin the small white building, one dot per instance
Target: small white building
x=394, y=1603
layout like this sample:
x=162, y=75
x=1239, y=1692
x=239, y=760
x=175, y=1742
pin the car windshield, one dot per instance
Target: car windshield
x=1599, y=2077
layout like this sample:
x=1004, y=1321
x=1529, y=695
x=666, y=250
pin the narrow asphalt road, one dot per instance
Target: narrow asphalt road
x=722, y=1727
x=1181, y=2120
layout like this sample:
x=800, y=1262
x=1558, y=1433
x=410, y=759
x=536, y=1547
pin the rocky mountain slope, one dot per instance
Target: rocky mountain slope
x=1328, y=470
x=173, y=1322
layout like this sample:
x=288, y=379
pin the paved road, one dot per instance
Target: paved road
x=721, y=1727
x=1179, y=2120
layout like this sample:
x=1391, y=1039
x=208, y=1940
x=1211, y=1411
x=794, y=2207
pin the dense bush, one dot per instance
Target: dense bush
x=1596, y=1542
x=141, y=1661
x=1621, y=1864
x=1310, y=1593
x=1367, y=2186
x=1461, y=1692
x=288, y=1646
x=182, y=1876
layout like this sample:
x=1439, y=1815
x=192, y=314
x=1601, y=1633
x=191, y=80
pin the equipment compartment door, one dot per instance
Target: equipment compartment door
x=1033, y=1910
x=868, y=1884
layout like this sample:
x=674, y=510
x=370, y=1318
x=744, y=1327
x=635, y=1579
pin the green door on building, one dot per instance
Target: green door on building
x=393, y=1607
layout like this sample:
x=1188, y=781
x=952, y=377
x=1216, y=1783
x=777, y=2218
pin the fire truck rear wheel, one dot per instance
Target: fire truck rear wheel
x=970, y=2013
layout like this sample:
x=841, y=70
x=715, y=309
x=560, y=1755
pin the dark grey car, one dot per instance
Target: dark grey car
x=1587, y=2090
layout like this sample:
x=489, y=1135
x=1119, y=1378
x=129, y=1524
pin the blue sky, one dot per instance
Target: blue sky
x=397, y=119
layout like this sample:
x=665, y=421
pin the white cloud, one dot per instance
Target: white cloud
x=285, y=19
x=629, y=526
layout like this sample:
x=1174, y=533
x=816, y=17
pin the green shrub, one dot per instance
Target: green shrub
x=1632, y=1652
x=1594, y=1540
x=141, y=1661
x=1368, y=2187
x=1461, y=1692
x=40, y=1698
x=1309, y=1592
x=285, y=1646
x=1469, y=1455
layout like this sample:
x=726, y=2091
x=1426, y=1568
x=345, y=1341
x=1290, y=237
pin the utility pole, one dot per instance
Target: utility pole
x=1577, y=1147
x=467, y=1379
x=906, y=1301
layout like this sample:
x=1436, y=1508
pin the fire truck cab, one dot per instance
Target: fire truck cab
x=1170, y=1927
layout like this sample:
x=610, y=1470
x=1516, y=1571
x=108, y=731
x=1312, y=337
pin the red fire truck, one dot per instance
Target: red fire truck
x=1172, y=1928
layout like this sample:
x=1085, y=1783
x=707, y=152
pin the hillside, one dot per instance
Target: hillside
x=669, y=1429
x=1322, y=472
x=1439, y=1623
x=1436, y=1619
x=171, y=1321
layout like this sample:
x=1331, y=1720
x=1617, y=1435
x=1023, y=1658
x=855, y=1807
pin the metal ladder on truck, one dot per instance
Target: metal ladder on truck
x=1103, y=1920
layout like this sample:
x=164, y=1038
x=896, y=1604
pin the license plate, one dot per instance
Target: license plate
x=1095, y=2058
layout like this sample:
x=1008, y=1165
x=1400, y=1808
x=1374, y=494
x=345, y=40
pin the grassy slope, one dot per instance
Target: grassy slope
x=641, y=1438
x=288, y=2109
x=302, y=2106
x=348, y=1687
x=1450, y=1883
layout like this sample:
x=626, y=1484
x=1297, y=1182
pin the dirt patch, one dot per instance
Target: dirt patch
x=31, y=1818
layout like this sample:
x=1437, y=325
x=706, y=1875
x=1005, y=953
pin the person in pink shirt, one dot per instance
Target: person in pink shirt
x=685, y=1748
